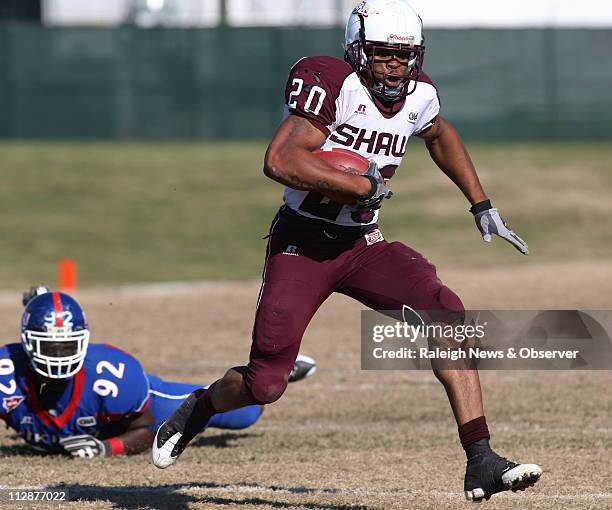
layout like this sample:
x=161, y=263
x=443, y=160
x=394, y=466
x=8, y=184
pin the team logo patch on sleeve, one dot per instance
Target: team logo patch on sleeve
x=10, y=403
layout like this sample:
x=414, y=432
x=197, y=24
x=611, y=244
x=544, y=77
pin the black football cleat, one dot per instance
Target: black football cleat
x=303, y=368
x=175, y=433
x=487, y=473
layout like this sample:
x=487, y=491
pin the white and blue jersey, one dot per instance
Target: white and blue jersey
x=110, y=388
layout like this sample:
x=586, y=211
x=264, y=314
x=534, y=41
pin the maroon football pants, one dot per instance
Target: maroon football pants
x=304, y=267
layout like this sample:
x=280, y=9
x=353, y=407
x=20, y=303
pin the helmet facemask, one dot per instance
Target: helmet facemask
x=362, y=55
x=58, y=352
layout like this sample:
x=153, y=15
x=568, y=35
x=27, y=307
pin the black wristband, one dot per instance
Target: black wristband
x=481, y=207
x=374, y=184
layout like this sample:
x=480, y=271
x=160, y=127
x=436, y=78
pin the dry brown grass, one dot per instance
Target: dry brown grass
x=346, y=439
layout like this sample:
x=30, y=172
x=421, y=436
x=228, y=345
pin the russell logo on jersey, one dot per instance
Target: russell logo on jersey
x=291, y=250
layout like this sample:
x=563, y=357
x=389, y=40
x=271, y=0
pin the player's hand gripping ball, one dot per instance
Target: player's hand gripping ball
x=346, y=161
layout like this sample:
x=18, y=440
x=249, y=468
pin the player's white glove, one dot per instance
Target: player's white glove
x=490, y=222
x=84, y=446
x=373, y=200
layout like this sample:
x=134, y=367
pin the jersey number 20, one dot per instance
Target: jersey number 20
x=313, y=91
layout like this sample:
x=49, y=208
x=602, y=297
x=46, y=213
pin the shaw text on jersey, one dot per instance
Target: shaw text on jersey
x=376, y=142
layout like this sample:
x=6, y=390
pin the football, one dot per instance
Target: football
x=347, y=161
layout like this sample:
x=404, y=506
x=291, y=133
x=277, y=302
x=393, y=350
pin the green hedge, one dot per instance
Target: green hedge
x=223, y=83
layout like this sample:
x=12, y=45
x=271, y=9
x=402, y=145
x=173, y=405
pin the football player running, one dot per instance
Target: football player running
x=63, y=394
x=371, y=104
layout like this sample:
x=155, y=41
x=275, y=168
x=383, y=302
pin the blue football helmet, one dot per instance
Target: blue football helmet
x=55, y=335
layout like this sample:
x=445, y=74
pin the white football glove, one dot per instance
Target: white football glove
x=490, y=222
x=84, y=446
x=373, y=200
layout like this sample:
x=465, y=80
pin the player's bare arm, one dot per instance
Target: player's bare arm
x=448, y=152
x=137, y=436
x=289, y=161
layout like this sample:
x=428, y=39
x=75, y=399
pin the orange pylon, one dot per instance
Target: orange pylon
x=67, y=275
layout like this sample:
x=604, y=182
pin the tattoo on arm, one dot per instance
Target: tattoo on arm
x=300, y=132
x=323, y=185
x=298, y=183
x=301, y=126
x=320, y=186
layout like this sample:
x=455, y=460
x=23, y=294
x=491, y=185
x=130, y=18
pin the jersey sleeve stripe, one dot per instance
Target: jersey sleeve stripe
x=144, y=405
x=166, y=395
x=426, y=126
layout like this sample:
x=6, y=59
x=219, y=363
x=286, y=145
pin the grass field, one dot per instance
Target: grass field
x=133, y=213
x=346, y=439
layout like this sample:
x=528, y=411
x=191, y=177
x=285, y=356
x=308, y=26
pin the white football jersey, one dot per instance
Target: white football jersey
x=327, y=92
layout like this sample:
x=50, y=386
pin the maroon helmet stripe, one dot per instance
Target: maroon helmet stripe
x=57, y=304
